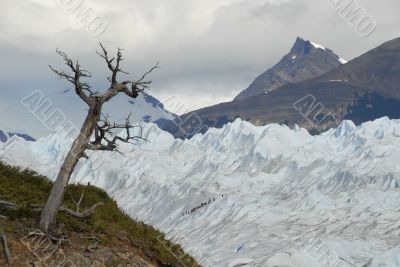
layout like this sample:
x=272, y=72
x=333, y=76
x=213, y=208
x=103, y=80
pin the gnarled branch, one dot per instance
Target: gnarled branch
x=114, y=69
x=78, y=203
x=87, y=213
x=84, y=214
x=75, y=77
x=131, y=88
x=115, y=88
x=104, y=135
x=136, y=87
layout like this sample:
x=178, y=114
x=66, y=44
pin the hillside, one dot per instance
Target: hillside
x=377, y=69
x=107, y=238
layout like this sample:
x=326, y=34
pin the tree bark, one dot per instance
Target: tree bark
x=6, y=249
x=54, y=201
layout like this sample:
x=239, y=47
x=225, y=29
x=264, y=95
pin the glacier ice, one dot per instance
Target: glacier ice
x=282, y=196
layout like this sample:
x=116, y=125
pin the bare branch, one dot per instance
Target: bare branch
x=5, y=205
x=149, y=71
x=130, y=88
x=104, y=138
x=84, y=155
x=114, y=69
x=75, y=78
x=78, y=203
x=87, y=213
x=139, y=85
x=84, y=214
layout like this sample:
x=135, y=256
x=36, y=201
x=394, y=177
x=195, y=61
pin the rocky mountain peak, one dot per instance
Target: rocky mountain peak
x=306, y=60
x=302, y=47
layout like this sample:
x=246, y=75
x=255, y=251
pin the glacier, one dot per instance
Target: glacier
x=252, y=196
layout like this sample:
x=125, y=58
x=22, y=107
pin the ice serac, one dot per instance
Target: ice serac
x=253, y=196
x=305, y=60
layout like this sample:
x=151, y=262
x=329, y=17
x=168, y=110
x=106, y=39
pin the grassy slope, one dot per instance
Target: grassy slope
x=25, y=187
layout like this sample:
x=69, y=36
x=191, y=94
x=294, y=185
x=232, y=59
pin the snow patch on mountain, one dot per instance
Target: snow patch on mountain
x=343, y=61
x=149, y=109
x=252, y=196
x=318, y=46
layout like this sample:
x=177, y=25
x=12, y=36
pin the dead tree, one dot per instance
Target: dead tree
x=95, y=123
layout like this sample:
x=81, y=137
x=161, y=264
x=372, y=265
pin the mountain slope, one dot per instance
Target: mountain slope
x=253, y=196
x=149, y=109
x=4, y=136
x=364, y=89
x=21, y=120
x=305, y=60
x=377, y=69
x=113, y=239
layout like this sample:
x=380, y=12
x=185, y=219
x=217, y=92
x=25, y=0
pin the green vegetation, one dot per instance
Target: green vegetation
x=25, y=187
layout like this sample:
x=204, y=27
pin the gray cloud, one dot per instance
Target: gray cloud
x=209, y=50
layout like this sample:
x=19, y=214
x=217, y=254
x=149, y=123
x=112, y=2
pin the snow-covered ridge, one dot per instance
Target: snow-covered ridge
x=343, y=61
x=318, y=46
x=253, y=196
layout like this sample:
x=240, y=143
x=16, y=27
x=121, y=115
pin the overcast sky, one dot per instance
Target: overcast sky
x=209, y=50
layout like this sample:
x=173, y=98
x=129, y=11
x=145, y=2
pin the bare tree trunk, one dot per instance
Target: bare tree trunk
x=55, y=199
x=94, y=100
